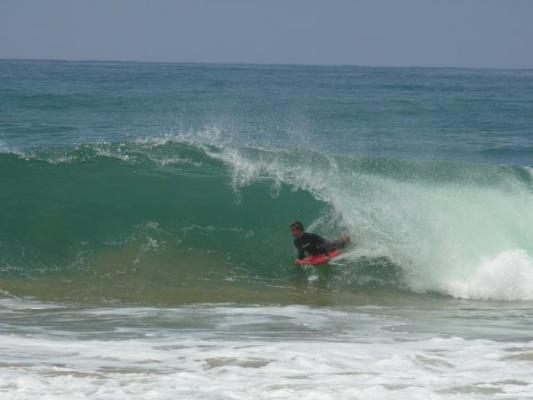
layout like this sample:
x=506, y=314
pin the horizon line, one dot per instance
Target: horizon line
x=266, y=64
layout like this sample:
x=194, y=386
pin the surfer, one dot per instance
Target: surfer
x=312, y=244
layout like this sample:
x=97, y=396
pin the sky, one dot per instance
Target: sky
x=448, y=33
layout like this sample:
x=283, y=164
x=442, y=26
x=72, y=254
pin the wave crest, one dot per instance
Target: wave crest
x=433, y=221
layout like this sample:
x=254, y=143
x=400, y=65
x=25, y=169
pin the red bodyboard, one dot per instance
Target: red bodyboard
x=319, y=260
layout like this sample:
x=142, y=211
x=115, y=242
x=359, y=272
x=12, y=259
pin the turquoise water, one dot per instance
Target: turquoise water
x=147, y=206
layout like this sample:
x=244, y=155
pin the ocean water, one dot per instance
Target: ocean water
x=145, y=249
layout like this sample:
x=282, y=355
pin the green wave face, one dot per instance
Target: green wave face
x=173, y=221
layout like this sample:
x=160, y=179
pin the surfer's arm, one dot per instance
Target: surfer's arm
x=299, y=249
x=301, y=256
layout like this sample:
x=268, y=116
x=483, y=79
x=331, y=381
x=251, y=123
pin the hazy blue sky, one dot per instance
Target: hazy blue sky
x=468, y=33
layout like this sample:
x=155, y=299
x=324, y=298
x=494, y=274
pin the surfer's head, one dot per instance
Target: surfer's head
x=297, y=228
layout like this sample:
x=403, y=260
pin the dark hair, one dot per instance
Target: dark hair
x=298, y=225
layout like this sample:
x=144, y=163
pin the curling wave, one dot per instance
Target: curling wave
x=144, y=219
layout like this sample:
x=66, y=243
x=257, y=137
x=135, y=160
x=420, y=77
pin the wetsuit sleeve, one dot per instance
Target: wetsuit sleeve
x=299, y=248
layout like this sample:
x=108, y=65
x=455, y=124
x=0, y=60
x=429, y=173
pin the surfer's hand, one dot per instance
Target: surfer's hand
x=296, y=261
x=345, y=239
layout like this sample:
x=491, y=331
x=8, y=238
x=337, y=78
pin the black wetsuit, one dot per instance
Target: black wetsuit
x=311, y=244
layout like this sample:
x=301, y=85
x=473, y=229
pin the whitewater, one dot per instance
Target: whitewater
x=145, y=249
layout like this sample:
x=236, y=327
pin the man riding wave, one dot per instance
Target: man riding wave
x=310, y=244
